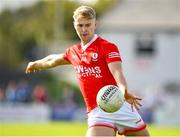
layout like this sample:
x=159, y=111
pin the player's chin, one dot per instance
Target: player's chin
x=84, y=37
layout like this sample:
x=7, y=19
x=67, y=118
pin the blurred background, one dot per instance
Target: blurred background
x=147, y=33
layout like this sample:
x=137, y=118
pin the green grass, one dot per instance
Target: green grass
x=43, y=129
x=67, y=129
x=164, y=130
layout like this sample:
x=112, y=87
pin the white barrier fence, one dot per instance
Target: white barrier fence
x=24, y=112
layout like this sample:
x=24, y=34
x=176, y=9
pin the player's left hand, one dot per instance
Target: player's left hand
x=133, y=100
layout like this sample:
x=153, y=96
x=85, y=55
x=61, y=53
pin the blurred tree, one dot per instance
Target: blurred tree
x=7, y=39
x=102, y=6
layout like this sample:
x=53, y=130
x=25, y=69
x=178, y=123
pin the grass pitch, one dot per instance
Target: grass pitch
x=67, y=129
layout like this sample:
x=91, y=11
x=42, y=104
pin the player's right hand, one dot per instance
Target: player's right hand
x=31, y=67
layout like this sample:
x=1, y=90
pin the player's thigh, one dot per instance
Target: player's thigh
x=100, y=131
x=143, y=132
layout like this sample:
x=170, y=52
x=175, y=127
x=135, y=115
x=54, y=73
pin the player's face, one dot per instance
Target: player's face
x=85, y=28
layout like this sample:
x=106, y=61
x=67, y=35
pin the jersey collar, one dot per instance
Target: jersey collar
x=89, y=43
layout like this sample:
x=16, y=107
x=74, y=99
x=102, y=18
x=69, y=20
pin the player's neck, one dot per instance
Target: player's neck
x=84, y=45
x=84, y=42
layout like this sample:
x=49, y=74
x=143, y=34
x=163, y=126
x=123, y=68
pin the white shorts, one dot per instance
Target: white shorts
x=123, y=121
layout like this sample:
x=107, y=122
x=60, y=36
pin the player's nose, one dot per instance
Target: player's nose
x=84, y=29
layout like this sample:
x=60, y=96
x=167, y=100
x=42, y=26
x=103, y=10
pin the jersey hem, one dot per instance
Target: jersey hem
x=103, y=125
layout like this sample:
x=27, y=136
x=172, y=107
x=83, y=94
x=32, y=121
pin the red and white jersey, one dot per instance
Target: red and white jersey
x=90, y=63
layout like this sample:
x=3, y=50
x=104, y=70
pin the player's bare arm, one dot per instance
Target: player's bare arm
x=117, y=72
x=46, y=63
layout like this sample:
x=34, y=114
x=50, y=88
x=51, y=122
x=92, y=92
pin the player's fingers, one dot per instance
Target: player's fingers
x=138, y=98
x=27, y=71
x=137, y=102
x=136, y=106
x=30, y=70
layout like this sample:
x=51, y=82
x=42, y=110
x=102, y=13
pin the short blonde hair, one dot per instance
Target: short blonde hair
x=85, y=12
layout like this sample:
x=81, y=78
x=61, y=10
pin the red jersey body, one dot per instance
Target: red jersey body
x=91, y=67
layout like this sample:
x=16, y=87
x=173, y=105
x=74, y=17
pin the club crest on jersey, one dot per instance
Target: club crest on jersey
x=94, y=57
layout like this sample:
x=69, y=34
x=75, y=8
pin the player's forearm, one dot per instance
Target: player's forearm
x=117, y=72
x=121, y=81
x=46, y=63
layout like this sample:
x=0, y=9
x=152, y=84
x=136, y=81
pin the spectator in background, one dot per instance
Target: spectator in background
x=151, y=102
x=65, y=110
x=2, y=94
x=23, y=91
x=11, y=91
x=69, y=96
x=40, y=94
